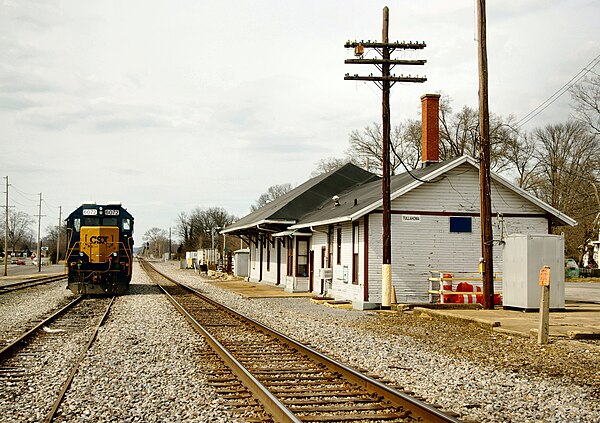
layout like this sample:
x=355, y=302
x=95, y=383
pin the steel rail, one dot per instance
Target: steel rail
x=29, y=283
x=4, y=352
x=77, y=364
x=421, y=410
x=271, y=404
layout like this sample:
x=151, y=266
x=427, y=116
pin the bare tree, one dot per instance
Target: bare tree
x=586, y=95
x=520, y=156
x=198, y=228
x=51, y=238
x=459, y=134
x=567, y=173
x=156, y=241
x=366, y=151
x=273, y=192
x=328, y=164
x=184, y=230
x=20, y=232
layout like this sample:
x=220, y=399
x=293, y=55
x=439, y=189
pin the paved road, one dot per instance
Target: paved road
x=30, y=269
x=582, y=291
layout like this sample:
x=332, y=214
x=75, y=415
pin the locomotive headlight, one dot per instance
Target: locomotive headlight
x=114, y=254
x=81, y=254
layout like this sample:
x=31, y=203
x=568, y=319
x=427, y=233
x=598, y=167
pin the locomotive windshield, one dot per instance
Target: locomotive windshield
x=91, y=221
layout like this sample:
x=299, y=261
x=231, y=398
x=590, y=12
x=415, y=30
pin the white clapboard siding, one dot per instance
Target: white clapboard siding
x=425, y=244
x=347, y=290
x=458, y=190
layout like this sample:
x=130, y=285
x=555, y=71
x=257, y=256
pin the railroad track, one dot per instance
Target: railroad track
x=37, y=368
x=292, y=382
x=30, y=282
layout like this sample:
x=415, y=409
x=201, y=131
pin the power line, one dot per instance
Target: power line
x=539, y=109
x=23, y=193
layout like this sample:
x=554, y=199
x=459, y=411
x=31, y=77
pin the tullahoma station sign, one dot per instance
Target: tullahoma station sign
x=411, y=218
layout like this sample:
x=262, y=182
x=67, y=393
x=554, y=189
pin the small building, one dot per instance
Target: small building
x=334, y=222
x=241, y=262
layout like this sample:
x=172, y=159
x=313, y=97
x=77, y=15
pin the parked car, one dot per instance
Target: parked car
x=571, y=268
x=19, y=262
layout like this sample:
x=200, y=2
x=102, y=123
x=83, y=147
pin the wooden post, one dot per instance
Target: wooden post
x=385, y=82
x=543, y=328
x=484, y=164
x=386, y=271
x=58, y=234
x=39, y=239
x=6, y=231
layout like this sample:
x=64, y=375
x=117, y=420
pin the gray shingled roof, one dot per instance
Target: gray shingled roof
x=353, y=200
x=305, y=198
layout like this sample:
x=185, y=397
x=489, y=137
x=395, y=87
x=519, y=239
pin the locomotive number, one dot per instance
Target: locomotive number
x=90, y=212
x=111, y=212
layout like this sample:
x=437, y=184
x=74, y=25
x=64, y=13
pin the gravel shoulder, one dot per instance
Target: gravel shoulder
x=143, y=366
x=19, y=309
x=481, y=375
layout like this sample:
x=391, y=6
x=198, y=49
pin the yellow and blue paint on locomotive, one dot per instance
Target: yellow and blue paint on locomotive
x=99, y=249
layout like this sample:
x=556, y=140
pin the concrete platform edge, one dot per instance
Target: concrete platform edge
x=455, y=319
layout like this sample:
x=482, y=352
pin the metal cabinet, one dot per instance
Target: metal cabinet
x=524, y=256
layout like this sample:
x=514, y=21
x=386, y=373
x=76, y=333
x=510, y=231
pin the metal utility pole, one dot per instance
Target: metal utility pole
x=169, y=244
x=39, y=240
x=6, y=231
x=385, y=82
x=58, y=234
x=487, y=266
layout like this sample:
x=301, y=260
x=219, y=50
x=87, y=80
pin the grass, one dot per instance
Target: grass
x=595, y=280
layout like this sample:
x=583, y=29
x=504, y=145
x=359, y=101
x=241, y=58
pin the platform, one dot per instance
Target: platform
x=256, y=290
x=579, y=320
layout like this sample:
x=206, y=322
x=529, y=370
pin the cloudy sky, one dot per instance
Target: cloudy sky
x=169, y=105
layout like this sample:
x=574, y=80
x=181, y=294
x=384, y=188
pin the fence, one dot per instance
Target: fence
x=461, y=287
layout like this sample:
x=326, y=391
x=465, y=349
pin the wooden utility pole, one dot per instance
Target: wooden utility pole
x=58, y=234
x=6, y=231
x=385, y=82
x=39, y=239
x=485, y=214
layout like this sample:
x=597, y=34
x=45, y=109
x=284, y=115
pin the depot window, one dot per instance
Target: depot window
x=460, y=224
x=355, y=246
x=290, y=257
x=302, y=257
x=339, y=245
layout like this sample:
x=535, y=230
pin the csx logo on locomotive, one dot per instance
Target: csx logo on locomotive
x=98, y=239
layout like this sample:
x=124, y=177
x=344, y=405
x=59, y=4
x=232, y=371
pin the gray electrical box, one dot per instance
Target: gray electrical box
x=524, y=256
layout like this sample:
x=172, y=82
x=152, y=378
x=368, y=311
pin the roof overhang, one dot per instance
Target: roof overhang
x=322, y=222
x=291, y=233
x=256, y=225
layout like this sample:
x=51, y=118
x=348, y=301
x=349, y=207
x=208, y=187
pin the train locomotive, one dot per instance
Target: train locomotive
x=99, y=249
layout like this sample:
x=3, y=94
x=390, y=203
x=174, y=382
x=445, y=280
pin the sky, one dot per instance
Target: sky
x=166, y=106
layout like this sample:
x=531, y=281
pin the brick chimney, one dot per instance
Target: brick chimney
x=430, y=132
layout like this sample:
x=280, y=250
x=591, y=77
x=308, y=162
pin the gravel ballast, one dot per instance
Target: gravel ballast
x=18, y=309
x=144, y=365
x=481, y=375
